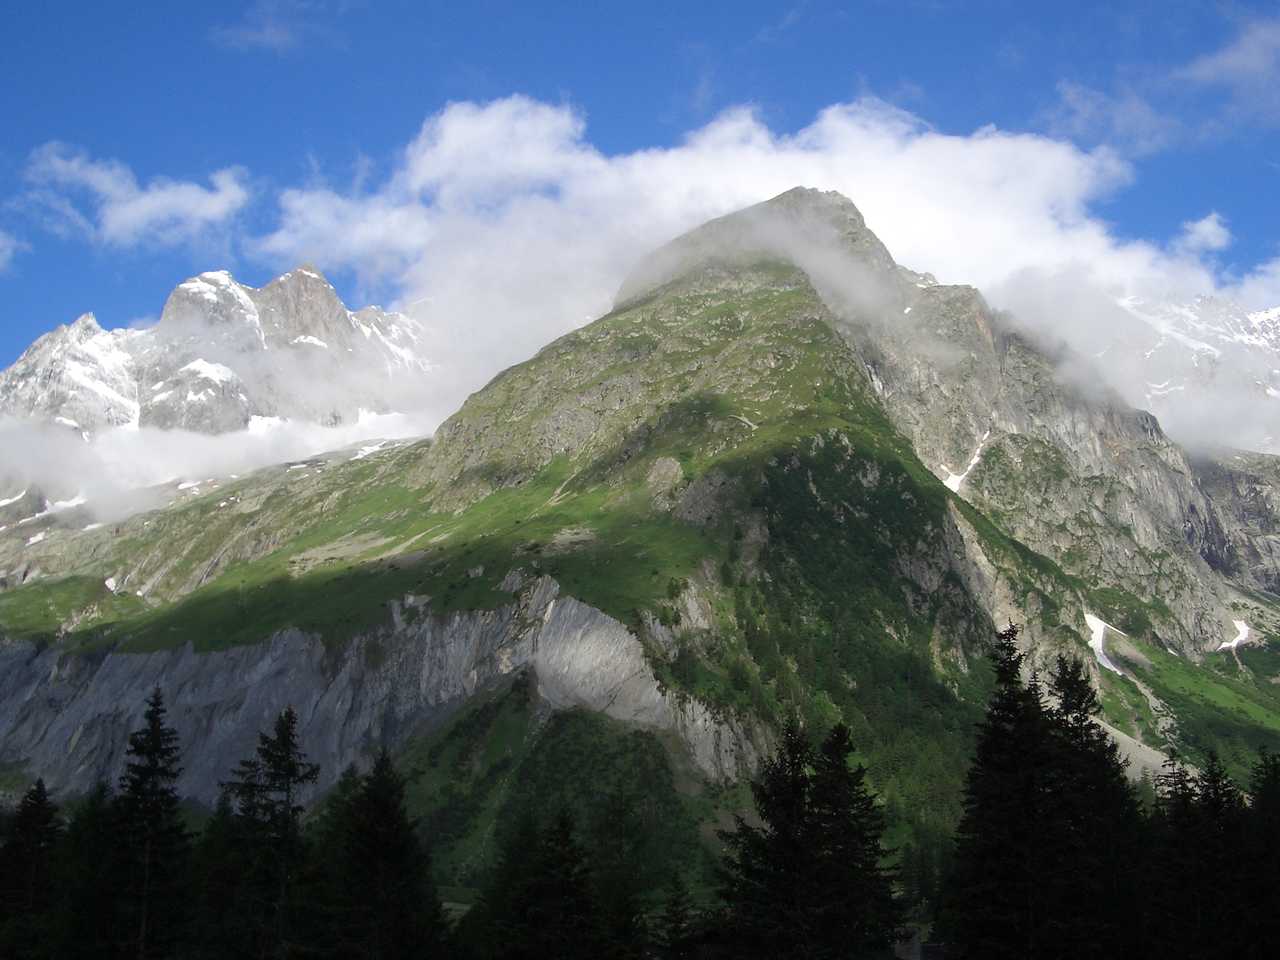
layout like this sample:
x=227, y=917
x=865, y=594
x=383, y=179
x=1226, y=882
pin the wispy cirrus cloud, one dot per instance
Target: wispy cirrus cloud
x=1125, y=119
x=103, y=199
x=9, y=247
x=1228, y=90
x=279, y=26
x=1247, y=69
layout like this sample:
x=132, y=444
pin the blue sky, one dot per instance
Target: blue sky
x=428, y=153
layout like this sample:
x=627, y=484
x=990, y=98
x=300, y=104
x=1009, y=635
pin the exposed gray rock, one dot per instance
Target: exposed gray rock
x=69, y=716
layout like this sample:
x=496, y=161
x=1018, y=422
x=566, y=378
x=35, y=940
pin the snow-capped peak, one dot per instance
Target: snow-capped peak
x=222, y=354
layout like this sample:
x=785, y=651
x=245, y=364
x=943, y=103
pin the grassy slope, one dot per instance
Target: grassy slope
x=1223, y=705
x=757, y=390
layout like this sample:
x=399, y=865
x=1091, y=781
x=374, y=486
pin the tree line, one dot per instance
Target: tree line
x=1056, y=855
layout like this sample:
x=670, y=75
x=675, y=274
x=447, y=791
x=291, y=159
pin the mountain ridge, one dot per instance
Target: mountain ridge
x=204, y=367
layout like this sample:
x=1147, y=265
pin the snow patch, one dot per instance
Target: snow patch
x=14, y=499
x=367, y=449
x=953, y=480
x=1097, y=631
x=67, y=422
x=313, y=341
x=110, y=584
x=1242, y=634
x=210, y=371
x=37, y=538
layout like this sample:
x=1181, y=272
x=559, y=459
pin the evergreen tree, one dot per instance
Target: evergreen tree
x=222, y=871
x=1219, y=840
x=155, y=840
x=614, y=845
x=1091, y=827
x=321, y=882
x=995, y=905
x=855, y=905
x=479, y=929
x=267, y=789
x=677, y=922
x=767, y=881
x=810, y=881
x=90, y=874
x=386, y=899
x=1259, y=885
x=1195, y=857
x=26, y=874
x=538, y=902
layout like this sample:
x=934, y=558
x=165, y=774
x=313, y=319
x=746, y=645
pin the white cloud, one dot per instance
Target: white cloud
x=104, y=199
x=1125, y=119
x=1206, y=235
x=514, y=228
x=1260, y=287
x=1248, y=68
x=9, y=247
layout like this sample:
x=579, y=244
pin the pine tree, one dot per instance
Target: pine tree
x=222, y=871
x=767, y=882
x=856, y=912
x=614, y=842
x=480, y=931
x=90, y=876
x=676, y=924
x=1259, y=885
x=994, y=906
x=267, y=789
x=385, y=896
x=1173, y=907
x=1219, y=839
x=1091, y=827
x=156, y=844
x=810, y=880
x=538, y=903
x=26, y=873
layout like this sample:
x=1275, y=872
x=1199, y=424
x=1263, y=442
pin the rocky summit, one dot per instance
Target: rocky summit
x=222, y=354
x=783, y=475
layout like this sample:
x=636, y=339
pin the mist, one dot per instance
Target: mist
x=123, y=470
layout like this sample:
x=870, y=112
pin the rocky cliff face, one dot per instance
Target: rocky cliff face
x=69, y=717
x=221, y=354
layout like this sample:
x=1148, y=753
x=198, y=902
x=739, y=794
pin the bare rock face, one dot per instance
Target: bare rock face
x=221, y=354
x=70, y=717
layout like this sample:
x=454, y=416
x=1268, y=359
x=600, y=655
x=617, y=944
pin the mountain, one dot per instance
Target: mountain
x=221, y=355
x=783, y=474
x=1207, y=365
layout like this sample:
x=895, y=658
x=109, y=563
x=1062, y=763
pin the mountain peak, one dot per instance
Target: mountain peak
x=85, y=325
x=788, y=227
x=302, y=274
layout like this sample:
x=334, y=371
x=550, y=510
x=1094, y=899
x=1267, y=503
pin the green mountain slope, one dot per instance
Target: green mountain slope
x=730, y=466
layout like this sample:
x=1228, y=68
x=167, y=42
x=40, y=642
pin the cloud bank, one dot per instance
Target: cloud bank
x=502, y=226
